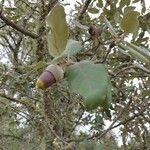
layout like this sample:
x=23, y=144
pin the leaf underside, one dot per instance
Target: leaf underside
x=57, y=37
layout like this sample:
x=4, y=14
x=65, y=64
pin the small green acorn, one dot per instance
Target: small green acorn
x=51, y=75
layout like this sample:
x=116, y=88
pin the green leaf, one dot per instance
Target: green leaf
x=2, y=67
x=123, y=51
x=14, y=146
x=135, y=54
x=109, y=94
x=92, y=82
x=129, y=22
x=117, y=17
x=128, y=9
x=143, y=4
x=135, y=1
x=43, y=144
x=99, y=3
x=72, y=48
x=93, y=10
x=142, y=68
x=123, y=3
x=98, y=119
x=142, y=51
x=111, y=29
x=148, y=27
x=57, y=37
x=35, y=66
x=99, y=147
x=89, y=145
x=6, y=77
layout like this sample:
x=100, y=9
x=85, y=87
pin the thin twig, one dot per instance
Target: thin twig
x=8, y=42
x=109, y=50
x=11, y=136
x=18, y=28
x=134, y=66
x=112, y=44
x=28, y=105
x=3, y=25
x=100, y=135
x=77, y=122
x=50, y=5
x=33, y=8
x=84, y=8
x=2, y=5
x=129, y=119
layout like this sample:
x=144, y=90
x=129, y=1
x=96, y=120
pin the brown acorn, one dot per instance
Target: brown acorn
x=51, y=75
x=95, y=31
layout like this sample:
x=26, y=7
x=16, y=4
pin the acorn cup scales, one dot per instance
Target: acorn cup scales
x=51, y=75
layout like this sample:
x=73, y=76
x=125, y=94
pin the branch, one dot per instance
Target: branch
x=2, y=25
x=9, y=44
x=84, y=8
x=129, y=119
x=10, y=136
x=112, y=44
x=50, y=5
x=26, y=104
x=10, y=98
x=100, y=135
x=18, y=28
x=77, y=122
x=134, y=66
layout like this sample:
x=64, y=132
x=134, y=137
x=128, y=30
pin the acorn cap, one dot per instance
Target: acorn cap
x=45, y=80
x=50, y=75
x=95, y=31
x=57, y=71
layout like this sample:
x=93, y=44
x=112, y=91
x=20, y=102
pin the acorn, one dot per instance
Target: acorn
x=51, y=75
x=95, y=31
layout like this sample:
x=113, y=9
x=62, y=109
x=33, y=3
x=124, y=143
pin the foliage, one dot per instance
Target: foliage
x=110, y=65
x=130, y=22
x=57, y=36
x=94, y=85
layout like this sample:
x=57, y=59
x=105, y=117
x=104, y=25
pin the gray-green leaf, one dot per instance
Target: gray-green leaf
x=135, y=53
x=57, y=37
x=72, y=48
